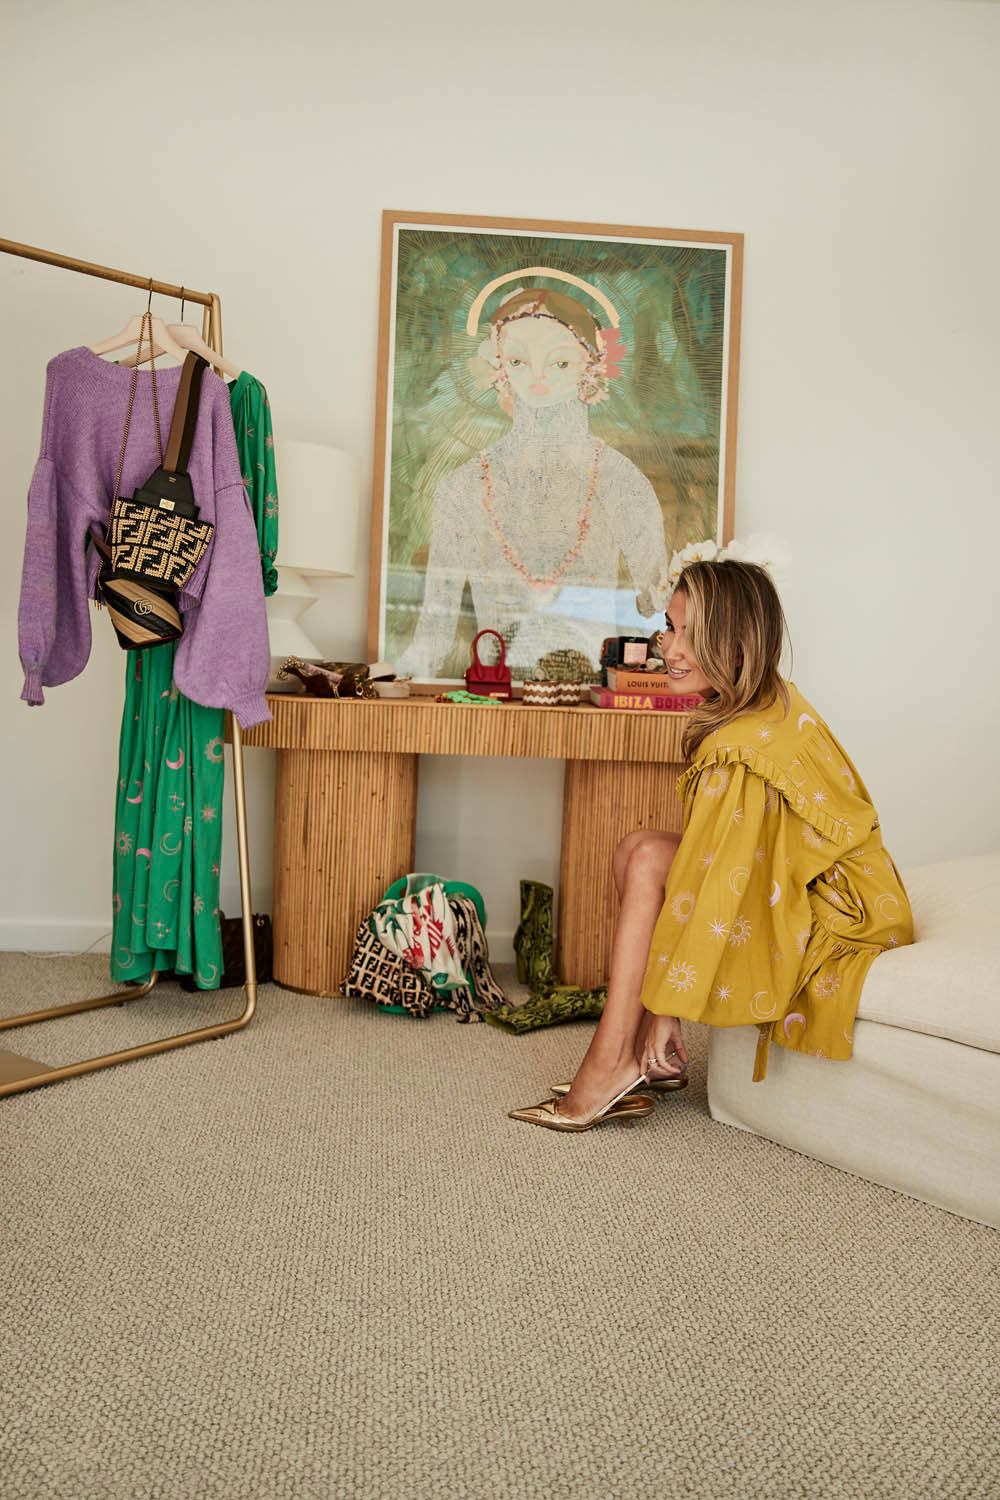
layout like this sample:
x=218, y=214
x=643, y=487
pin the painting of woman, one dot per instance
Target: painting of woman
x=539, y=524
x=555, y=415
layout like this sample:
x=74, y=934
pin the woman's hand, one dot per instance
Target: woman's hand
x=664, y=1051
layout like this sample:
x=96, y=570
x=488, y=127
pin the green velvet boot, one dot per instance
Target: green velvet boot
x=558, y=1003
x=533, y=938
x=551, y=1002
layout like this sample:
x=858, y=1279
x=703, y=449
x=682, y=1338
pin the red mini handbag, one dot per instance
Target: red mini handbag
x=491, y=681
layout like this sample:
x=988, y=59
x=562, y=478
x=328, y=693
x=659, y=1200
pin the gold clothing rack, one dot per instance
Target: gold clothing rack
x=17, y=1073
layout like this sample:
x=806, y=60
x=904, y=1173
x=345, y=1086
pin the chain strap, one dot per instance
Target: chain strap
x=145, y=328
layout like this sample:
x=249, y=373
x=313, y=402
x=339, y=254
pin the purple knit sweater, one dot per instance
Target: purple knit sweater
x=223, y=658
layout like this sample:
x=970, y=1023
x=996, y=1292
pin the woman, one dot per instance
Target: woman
x=538, y=524
x=770, y=907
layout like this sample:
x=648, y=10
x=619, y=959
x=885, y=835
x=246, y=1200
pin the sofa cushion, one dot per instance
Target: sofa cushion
x=947, y=983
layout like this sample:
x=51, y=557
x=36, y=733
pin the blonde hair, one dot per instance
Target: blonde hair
x=737, y=629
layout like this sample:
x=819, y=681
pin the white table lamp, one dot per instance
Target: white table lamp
x=319, y=489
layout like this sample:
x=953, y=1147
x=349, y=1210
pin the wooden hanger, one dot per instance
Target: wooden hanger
x=133, y=330
x=188, y=337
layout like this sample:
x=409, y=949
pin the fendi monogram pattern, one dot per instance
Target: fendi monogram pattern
x=384, y=978
x=155, y=545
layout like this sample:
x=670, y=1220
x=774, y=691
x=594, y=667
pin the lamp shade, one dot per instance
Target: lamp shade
x=320, y=492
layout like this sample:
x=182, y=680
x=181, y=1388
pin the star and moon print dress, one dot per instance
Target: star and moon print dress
x=781, y=894
x=168, y=808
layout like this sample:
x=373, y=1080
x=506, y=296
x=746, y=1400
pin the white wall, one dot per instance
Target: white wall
x=853, y=143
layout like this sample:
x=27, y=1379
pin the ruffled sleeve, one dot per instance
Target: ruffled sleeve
x=728, y=941
x=791, y=749
x=841, y=817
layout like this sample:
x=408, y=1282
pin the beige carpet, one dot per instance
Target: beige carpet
x=315, y=1259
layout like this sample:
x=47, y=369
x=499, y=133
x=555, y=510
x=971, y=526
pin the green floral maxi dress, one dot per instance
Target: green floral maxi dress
x=168, y=810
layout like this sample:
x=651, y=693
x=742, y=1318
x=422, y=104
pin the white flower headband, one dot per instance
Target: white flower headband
x=762, y=550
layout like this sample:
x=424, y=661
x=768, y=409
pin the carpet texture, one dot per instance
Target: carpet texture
x=315, y=1260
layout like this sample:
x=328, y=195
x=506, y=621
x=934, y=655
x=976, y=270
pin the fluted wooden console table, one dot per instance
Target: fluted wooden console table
x=346, y=801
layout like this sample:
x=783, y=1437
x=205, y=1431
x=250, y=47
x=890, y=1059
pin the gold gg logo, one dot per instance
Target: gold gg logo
x=142, y=607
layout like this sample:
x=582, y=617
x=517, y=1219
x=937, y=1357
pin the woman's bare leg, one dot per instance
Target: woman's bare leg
x=640, y=866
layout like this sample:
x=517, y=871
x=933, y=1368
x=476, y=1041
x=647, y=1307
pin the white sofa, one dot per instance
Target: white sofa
x=917, y=1108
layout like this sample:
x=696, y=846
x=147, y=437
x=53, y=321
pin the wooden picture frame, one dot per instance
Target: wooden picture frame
x=544, y=391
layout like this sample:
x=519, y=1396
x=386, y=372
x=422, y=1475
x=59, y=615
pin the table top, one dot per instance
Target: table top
x=420, y=726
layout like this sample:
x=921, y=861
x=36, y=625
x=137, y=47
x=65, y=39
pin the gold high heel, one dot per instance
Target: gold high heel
x=651, y=1085
x=628, y=1105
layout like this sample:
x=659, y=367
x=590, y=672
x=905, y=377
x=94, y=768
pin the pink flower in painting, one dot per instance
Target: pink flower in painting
x=614, y=352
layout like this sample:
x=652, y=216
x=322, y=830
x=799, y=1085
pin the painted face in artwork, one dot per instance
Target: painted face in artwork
x=685, y=674
x=542, y=359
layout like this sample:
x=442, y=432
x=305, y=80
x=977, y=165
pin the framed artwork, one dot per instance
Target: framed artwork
x=556, y=414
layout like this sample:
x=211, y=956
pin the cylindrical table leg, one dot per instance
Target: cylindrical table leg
x=602, y=802
x=343, y=832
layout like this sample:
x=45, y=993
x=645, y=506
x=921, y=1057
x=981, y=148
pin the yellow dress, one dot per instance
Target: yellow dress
x=780, y=895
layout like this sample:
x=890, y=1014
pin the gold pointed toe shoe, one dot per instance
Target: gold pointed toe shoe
x=651, y=1086
x=625, y=1106
x=547, y=1115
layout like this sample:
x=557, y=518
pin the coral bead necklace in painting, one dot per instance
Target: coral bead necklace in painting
x=582, y=526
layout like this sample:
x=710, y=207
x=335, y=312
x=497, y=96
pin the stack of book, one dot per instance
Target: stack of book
x=649, y=690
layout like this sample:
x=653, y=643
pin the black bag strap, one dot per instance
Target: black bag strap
x=185, y=414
